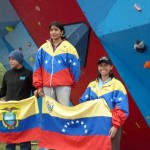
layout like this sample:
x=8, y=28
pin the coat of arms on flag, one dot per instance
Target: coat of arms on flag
x=19, y=121
x=85, y=126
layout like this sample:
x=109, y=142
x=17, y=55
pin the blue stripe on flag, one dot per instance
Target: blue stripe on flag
x=84, y=126
x=33, y=121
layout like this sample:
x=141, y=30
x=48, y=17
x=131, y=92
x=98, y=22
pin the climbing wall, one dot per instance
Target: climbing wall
x=123, y=29
x=36, y=16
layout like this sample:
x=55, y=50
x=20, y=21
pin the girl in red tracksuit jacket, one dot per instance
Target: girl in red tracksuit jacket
x=114, y=93
x=57, y=66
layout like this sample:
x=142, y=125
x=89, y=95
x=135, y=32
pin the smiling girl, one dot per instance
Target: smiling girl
x=108, y=88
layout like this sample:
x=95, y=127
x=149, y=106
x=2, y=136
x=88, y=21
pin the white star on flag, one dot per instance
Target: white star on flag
x=72, y=122
x=77, y=121
x=86, y=131
x=65, y=126
x=82, y=122
x=63, y=130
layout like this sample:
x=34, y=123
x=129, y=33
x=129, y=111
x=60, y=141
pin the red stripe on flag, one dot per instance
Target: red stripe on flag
x=17, y=137
x=59, y=141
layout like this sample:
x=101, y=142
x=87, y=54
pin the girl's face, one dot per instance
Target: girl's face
x=104, y=69
x=55, y=33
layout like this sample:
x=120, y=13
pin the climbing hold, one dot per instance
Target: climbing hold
x=39, y=23
x=28, y=44
x=31, y=59
x=137, y=7
x=37, y=8
x=10, y=28
x=147, y=64
x=139, y=46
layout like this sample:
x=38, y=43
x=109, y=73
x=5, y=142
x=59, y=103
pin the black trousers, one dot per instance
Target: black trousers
x=23, y=146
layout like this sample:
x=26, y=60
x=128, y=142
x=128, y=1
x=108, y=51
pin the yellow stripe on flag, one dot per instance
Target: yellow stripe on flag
x=97, y=108
x=23, y=108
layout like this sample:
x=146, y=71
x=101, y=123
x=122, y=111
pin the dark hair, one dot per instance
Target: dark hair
x=58, y=25
x=111, y=75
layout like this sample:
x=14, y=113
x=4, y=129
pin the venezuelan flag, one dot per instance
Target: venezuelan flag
x=19, y=121
x=85, y=126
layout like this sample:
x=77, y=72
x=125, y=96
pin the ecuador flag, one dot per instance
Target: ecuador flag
x=19, y=121
x=84, y=126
